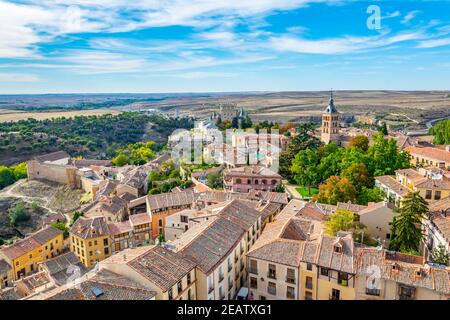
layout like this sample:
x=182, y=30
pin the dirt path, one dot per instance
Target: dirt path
x=8, y=192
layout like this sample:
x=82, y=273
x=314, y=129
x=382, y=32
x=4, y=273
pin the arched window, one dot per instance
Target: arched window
x=264, y=181
x=256, y=181
x=274, y=182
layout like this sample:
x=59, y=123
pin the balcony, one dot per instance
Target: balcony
x=373, y=292
x=220, y=278
x=242, y=267
x=230, y=267
x=210, y=289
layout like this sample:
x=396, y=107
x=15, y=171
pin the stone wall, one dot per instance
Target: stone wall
x=54, y=173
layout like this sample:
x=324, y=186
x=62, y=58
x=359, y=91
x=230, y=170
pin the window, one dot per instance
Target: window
x=388, y=235
x=309, y=283
x=160, y=222
x=90, y=253
x=90, y=243
x=105, y=242
x=188, y=278
x=106, y=251
x=406, y=293
x=338, y=248
x=308, y=295
x=309, y=266
x=290, y=275
x=272, y=288
x=238, y=181
x=179, y=287
x=95, y=242
x=343, y=278
x=324, y=272
x=256, y=181
x=437, y=195
x=262, y=298
x=253, y=283
x=253, y=266
x=184, y=219
x=335, y=294
x=170, y=294
x=272, y=271
x=428, y=194
x=290, y=292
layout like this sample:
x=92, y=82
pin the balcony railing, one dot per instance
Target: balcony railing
x=271, y=275
x=230, y=267
x=405, y=297
x=372, y=292
x=220, y=278
x=211, y=289
x=332, y=297
x=222, y=296
x=242, y=267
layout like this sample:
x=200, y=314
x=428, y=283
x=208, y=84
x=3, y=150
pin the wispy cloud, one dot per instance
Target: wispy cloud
x=434, y=43
x=18, y=77
x=409, y=16
x=339, y=45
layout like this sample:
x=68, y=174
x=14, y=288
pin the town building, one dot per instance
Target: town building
x=431, y=183
x=160, y=206
x=245, y=179
x=331, y=119
x=437, y=227
x=157, y=268
x=89, y=240
x=377, y=217
x=136, y=231
x=25, y=255
x=430, y=156
x=6, y=274
x=384, y=275
x=218, y=247
x=104, y=285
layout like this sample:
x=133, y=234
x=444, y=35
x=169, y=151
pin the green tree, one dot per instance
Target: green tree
x=18, y=214
x=76, y=216
x=441, y=132
x=360, y=142
x=370, y=195
x=280, y=188
x=214, y=180
x=120, y=160
x=406, y=227
x=304, y=167
x=440, y=255
x=341, y=220
x=357, y=174
x=7, y=177
x=303, y=140
x=383, y=129
x=336, y=189
x=62, y=226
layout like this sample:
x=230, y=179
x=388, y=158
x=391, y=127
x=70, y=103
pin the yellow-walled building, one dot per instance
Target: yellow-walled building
x=89, y=240
x=24, y=255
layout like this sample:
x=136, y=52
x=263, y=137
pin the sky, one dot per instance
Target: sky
x=118, y=46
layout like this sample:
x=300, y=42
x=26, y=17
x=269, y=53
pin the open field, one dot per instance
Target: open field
x=20, y=115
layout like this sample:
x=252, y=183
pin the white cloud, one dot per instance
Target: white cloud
x=203, y=74
x=339, y=45
x=409, y=16
x=18, y=77
x=434, y=43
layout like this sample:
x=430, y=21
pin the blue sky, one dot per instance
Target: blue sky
x=87, y=46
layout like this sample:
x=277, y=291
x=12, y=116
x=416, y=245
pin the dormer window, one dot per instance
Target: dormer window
x=337, y=248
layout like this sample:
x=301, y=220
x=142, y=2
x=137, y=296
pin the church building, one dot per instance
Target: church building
x=331, y=119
